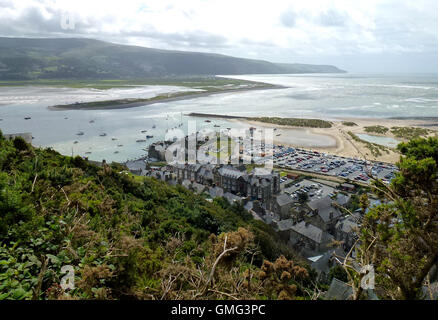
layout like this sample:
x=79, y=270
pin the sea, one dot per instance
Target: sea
x=113, y=134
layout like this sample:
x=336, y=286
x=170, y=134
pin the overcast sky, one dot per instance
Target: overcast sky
x=356, y=35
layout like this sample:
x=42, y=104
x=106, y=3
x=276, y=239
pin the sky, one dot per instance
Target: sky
x=372, y=36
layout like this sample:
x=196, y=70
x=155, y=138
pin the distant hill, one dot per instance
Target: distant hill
x=24, y=59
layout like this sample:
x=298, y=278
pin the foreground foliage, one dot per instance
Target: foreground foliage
x=127, y=238
x=400, y=236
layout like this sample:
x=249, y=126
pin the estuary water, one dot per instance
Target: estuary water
x=112, y=134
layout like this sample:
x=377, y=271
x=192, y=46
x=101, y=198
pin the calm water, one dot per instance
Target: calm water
x=384, y=141
x=319, y=96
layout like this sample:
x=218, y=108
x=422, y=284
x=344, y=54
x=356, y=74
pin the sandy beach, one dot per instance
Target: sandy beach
x=344, y=144
x=111, y=105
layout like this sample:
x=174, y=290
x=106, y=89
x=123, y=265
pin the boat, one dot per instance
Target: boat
x=80, y=133
x=149, y=137
x=208, y=121
x=154, y=126
x=120, y=145
x=141, y=140
x=91, y=121
x=76, y=142
x=216, y=126
x=27, y=118
x=88, y=152
x=103, y=134
x=278, y=134
x=116, y=152
x=144, y=131
x=114, y=139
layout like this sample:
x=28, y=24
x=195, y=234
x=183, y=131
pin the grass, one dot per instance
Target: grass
x=409, y=133
x=349, y=123
x=295, y=122
x=377, y=129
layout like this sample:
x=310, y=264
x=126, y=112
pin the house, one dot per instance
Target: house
x=216, y=192
x=198, y=188
x=157, y=150
x=282, y=204
x=323, y=214
x=324, y=262
x=309, y=238
x=232, y=179
x=186, y=183
x=346, y=230
x=231, y=198
x=284, y=227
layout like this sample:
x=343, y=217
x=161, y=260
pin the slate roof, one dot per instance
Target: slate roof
x=347, y=225
x=311, y=232
x=283, y=199
x=324, y=208
x=338, y=291
x=232, y=173
x=231, y=197
x=285, y=225
x=216, y=192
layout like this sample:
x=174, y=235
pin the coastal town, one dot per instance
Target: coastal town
x=310, y=198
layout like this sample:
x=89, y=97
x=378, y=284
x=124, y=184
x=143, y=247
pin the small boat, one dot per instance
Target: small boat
x=88, y=152
x=149, y=137
x=216, y=126
x=154, y=126
x=76, y=142
x=278, y=134
x=91, y=121
x=27, y=118
x=114, y=139
x=144, y=131
x=208, y=121
x=80, y=133
x=66, y=118
x=141, y=140
x=120, y=145
x=103, y=134
x=116, y=152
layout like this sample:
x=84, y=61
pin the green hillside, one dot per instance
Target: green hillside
x=24, y=59
x=128, y=237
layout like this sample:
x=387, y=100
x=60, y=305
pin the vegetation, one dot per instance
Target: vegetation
x=129, y=238
x=69, y=58
x=376, y=129
x=374, y=148
x=400, y=236
x=349, y=123
x=295, y=122
x=410, y=132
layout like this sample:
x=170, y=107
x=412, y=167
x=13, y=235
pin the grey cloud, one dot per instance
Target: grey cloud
x=288, y=18
x=333, y=18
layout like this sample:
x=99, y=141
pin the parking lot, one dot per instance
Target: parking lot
x=347, y=168
x=313, y=189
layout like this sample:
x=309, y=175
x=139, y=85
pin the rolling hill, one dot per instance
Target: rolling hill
x=72, y=58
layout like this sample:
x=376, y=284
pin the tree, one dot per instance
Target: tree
x=400, y=236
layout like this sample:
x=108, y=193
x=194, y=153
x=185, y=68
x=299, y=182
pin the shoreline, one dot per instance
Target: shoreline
x=185, y=95
x=345, y=144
